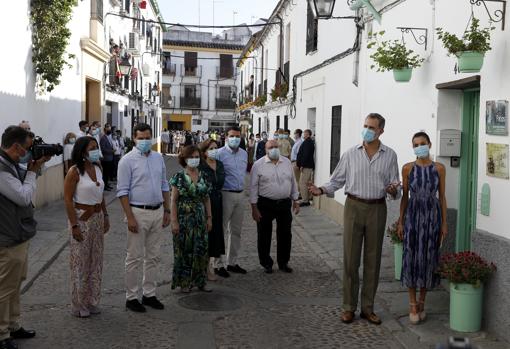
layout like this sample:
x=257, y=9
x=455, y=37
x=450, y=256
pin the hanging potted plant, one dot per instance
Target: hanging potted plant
x=466, y=272
x=394, y=55
x=470, y=49
x=398, y=248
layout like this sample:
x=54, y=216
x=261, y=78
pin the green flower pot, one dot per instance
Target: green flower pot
x=465, y=307
x=470, y=61
x=402, y=75
x=398, y=252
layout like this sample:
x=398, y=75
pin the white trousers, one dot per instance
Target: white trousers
x=233, y=213
x=143, y=248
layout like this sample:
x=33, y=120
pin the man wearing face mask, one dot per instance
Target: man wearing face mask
x=369, y=174
x=273, y=194
x=143, y=191
x=235, y=161
x=108, y=151
x=17, y=227
x=84, y=129
x=261, y=147
x=95, y=131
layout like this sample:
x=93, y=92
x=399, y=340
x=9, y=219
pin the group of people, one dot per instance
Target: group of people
x=203, y=207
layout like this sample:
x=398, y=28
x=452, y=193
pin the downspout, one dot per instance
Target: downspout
x=262, y=69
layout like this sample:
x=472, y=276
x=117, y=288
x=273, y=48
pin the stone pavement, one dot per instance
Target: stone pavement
x=299, y=310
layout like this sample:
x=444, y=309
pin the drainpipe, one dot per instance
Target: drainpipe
x=262, y=69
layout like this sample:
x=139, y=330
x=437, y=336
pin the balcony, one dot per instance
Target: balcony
x=191, y=71
x=169, y=69
x=191, y=102
x=167, y=101
x=225, y=104
x=225, y=72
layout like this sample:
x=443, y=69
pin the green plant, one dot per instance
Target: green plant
x=260, y=101
x=50, y=37
x=474, y=39
x=279, y=92
x=392, y=54
x=465, y=268
x=392, y=233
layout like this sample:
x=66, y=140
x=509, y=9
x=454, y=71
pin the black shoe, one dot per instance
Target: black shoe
x=8, y=344
x=236, y=269
x=23, y=334
x=134, y=305
x=304, y=204
x=153, y=302
x=268, y=270
x=286, y=269
x=222, y=272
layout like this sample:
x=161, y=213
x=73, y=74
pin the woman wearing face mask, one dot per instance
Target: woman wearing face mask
x=86, y=211
x=191, y=221
x=284, y=144
x=214, y=173
x=68, y=149
x=422, y=224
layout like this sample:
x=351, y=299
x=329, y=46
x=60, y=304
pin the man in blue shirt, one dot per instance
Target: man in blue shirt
x=235, y=161
x=144, y=193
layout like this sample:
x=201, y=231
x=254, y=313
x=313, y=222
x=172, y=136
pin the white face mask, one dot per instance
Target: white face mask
x=193, y=162
x=274, y=153
x=212, y=153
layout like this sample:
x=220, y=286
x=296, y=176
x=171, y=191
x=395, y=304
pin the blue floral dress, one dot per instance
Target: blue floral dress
x=190, y=244
x=422, y=229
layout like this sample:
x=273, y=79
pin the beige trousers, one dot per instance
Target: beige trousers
x=143, y=248
x=13, y=271
x=233, y=213
x=305, y=177
x=297, y=171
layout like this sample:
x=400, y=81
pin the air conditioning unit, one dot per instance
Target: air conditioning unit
x=134, y=44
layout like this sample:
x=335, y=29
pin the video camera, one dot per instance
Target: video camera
x=40, y=149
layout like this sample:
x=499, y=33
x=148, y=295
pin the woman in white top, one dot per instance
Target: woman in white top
x=68, y=149
x=86, y=210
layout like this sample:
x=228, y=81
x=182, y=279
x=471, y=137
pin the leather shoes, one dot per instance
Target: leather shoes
x=222, y=272
x=152, y=302
x=372, y=318
x=23, y=334
x=134, y=305
x=236, y=269
x=347, y=317
x=8, y=344
x=286, y=269
x=268, y=270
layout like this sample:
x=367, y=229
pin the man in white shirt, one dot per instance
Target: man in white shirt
x=295, y=150
x=84, y=128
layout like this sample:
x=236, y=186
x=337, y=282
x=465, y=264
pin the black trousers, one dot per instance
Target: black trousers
x=281, y=210
x=107, y=171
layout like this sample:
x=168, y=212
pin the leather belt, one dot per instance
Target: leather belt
x=146, y=207
x=367, y=201
x=233, y=191
x=276, y=201
x=89, y=210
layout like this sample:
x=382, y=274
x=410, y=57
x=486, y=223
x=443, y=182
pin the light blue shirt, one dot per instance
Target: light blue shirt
x=295, y=149
x=235, y=164
x=142, y=178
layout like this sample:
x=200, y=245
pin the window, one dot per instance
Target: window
x=226, y=66
x=190, y=63
x=126, y=5
x=224, y=97
x=287, y=43
x=336, y=134
x=197, y=122
x=311, y=31
x=96, y=10
x=277, y=122
x=190, y=97
x=286, y=122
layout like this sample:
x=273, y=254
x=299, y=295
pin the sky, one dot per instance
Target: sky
x=186, y=11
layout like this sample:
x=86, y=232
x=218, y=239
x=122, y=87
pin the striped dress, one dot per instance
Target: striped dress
x=422, y=229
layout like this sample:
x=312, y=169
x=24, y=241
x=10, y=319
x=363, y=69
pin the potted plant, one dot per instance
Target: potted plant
x=467, y=272
x=470, y=49
x=394, y=55
x=260, y=101
x=398, y=248
x=279, y=92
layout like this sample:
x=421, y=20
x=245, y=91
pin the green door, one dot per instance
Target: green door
x=466, y=220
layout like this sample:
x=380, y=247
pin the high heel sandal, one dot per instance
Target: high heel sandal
x=422, y=313
x=414, y=318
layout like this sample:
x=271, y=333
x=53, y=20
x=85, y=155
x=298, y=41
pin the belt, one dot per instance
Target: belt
x=367, y=201
x=89, y=210
x=233, y=191
x=146, y=207
x=277, y=201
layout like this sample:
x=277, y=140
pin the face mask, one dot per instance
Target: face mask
x=72, y=140
x=109, y=132
x=25, y=158
x=422, y=151
x=274, y=153
x=264, y=137
x=257, y=139
x=193, y=162
x=212, y=153
x=94, y=155
x=275, y=136
x=96, y=132
x=233, y=142
x=368, y=135
x=86, y=129
x=144, y=145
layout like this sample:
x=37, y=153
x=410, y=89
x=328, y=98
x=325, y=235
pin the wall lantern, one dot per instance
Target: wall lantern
x=357, y=4
x=323, y=8
x=234, y=97
x=125, y=66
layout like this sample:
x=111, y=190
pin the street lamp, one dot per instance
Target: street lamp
x=324, y=8
x=234, y=97
x=125, y=66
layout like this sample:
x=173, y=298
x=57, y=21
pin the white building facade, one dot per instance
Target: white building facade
x=332, y=88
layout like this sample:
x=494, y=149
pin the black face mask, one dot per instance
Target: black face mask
x=109, y=132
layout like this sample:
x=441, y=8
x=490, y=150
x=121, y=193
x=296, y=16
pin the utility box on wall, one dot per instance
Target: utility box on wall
x=449, y=142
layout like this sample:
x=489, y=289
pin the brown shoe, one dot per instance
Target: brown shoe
x=347, y=317
x=372, y=318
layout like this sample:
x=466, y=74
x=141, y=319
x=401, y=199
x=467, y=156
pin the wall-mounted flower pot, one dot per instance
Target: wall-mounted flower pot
x=398, y=251
x=466, y=307
x=402, y=75
x=470, y=61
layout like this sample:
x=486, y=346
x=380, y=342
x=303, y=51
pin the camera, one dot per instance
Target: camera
x=40, y=149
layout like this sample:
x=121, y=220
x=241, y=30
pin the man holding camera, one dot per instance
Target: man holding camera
x=17, y=226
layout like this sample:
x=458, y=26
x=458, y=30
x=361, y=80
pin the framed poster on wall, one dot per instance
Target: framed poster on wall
x=496, y=118
x=497, y=160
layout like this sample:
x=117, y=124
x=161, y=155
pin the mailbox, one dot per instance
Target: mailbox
x=449, y=142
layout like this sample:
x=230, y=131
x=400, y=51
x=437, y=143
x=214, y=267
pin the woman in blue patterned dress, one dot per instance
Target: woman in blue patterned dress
x=191, y=222
x=422, y=224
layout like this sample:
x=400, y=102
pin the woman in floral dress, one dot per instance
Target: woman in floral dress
x=191, y=222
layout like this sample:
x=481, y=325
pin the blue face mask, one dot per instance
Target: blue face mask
x=274, y=153
x=144, y=145
x=193, y=162
x=94, y=155
x=368, y=135
x=233, y=142
x=212, y=153
x=422, y=151
x=25, y=158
